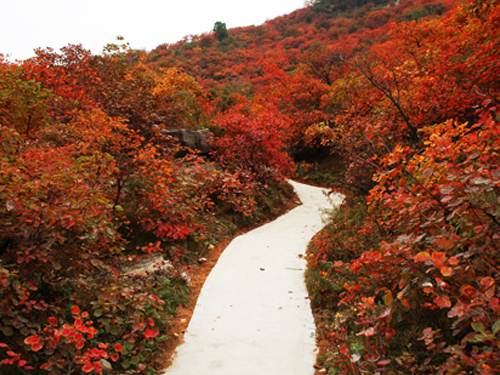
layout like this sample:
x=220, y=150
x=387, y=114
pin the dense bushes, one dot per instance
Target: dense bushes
x=407, y=279
x=89, y=186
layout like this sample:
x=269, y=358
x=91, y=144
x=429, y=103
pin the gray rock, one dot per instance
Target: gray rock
x=107, y=368
x=157, y=266
x=194, y=139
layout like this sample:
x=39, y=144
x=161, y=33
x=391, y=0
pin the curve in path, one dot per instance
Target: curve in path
x=252, y=316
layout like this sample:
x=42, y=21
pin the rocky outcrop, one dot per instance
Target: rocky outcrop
x=196, y=140
x=155, y=268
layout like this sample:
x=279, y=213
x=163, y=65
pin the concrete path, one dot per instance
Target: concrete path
x=252, y=316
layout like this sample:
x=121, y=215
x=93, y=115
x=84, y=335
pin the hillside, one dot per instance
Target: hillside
x=289, y=61
x=401, y=102
x=241, y=58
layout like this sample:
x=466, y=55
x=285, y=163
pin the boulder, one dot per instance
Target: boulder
x=196, y=140
x=156, y=267
x=107, y=368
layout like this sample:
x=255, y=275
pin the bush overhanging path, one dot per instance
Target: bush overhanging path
x=253, y=315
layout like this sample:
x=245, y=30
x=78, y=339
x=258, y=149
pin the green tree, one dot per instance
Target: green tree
x=220, y=31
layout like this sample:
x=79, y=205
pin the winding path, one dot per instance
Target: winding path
x=252, y=316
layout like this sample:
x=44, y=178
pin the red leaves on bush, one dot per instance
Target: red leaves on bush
x=151, y=333
x=139, y=327
x=75, y=180
x=35, y=343
x=442, y=302
x=253, y=140
x=32, y=340
x=427, y=149
x=487, y=282
x=88, y=367
x=75, y=310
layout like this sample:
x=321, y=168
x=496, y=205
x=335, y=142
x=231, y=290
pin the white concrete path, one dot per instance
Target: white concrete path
x=252, y=316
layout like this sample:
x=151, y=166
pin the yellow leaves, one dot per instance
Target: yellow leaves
x=175, y=80
x=423, y=256
x=181, y=99
x=388, y=298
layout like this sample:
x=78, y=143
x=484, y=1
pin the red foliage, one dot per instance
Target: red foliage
x=418, y=114
x=411, y=109
x=88, y=178
x=252, y=141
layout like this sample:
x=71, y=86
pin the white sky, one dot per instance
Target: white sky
x=145, y=24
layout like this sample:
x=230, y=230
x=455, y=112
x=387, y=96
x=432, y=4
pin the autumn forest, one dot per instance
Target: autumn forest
x=395, y=104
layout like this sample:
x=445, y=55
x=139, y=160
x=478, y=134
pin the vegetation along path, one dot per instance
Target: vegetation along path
x=253, y=315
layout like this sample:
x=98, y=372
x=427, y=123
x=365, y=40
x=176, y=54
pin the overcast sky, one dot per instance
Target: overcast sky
x=145, y=24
